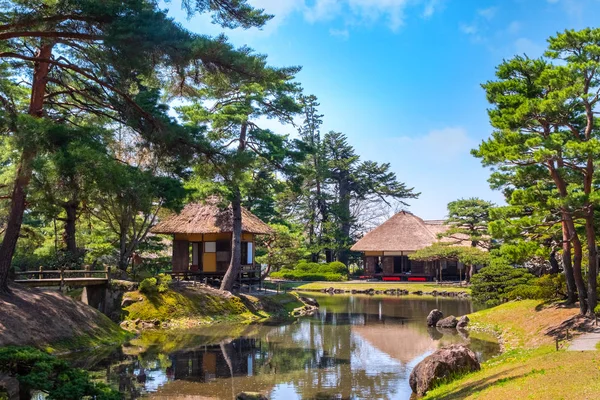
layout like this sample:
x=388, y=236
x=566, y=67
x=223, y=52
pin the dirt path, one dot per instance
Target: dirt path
x=586, y=342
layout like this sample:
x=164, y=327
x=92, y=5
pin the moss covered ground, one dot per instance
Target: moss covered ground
x=530, y=367
x=191, y=306
x=411, y=287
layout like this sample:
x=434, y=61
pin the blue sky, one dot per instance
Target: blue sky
x=401, y=78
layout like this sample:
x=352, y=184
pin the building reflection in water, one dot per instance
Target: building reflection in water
x=352, y=348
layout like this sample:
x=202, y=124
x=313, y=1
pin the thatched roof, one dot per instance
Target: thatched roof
x=208, y=217
x=403, y=232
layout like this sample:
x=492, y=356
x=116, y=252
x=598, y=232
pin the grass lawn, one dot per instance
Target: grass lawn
x=411, y=287
x=531, y=368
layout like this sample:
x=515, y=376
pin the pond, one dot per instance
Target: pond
x=355, y=347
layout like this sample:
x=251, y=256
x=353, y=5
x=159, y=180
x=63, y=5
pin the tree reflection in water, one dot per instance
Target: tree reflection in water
x=354, y=347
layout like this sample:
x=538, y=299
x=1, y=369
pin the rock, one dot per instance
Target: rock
x=251, y=396
x=127, y=301
x=442, y=364
x=448, y=322
x=309, y=301
x=434, y=316
x=418, y=292
x=463, y=322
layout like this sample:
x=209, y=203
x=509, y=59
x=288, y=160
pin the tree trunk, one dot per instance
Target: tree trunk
x=70, y=227
x=554, y=267
x=567, y=266
x=577, y=258
x=235, y=264
x=346, y=223
x=123, y=257
x=24, y=169
x=592, y=295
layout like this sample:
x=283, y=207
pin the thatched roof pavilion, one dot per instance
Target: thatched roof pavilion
x=403, y=232
x=208, y=217
x=386, y=248
x=202, y=234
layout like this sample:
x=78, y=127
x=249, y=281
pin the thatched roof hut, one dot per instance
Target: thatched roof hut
x=403, y=232
x=208, y=217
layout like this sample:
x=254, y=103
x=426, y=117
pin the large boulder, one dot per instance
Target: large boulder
x=463, y=322
x=448, y=322
x=443, y=364
x=434, y=316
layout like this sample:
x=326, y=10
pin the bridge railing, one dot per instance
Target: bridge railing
x=62, y=274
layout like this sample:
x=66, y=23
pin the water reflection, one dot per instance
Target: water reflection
x=354, y=347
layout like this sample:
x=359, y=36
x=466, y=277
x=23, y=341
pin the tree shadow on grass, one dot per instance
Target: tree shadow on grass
x=480, y=385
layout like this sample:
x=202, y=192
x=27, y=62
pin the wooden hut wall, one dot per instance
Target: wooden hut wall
x=181, y=255
x=388, y=265
x=370, y=264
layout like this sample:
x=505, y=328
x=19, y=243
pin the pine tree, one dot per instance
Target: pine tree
x=98, y=58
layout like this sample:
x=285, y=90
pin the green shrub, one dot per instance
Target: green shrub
x=164, y=282
x=148, y=286
x=36, y=370
x=338, y=267
x=493, y=284
x=552, y=286
x=522, y=292
x=294, y=275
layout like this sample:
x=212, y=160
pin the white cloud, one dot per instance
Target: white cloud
x=431, y=7
x=469, y=29
x=341, y=33
x=514, y=27
x=527, y=46
x=438, y=164
x=450, y=141
x=352, y=12
x=488, y=13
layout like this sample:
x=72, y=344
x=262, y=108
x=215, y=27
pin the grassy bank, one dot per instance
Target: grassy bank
x=411, y=287
x=191, y=306
x=54, y=322
x=530, y=367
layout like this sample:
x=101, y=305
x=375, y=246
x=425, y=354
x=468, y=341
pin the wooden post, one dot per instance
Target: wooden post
x=556, y=339
x=108, y=274
x=62, y=279
x=41, y=274
x=87, y=268
x=567, y=334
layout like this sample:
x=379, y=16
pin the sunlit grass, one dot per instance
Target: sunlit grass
x=531, y=368
x=411, y=287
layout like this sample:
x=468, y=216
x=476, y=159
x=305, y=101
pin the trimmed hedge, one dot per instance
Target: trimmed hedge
x=305, y=271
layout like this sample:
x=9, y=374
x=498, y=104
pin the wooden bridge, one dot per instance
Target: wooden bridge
x=63, y=277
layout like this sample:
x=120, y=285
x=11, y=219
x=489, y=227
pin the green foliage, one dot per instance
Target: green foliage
x=159, y=284
x=148, y=286
x=164, y=282
x=469, y=217
x=37, y=370
x=306, y=271
x=445, y=251
x=284, y=248
x=494, y=283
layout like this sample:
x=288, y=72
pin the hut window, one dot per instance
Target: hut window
x=196, y=253
x=210, y=247
x=247, y=253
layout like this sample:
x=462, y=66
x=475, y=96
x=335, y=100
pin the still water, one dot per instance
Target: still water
x=355, y=347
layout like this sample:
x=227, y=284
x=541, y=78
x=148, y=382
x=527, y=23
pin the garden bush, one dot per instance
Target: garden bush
x=148, y=286
x=494, y=284
x=36, y=370
x=308, y=271
x=160, y=284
